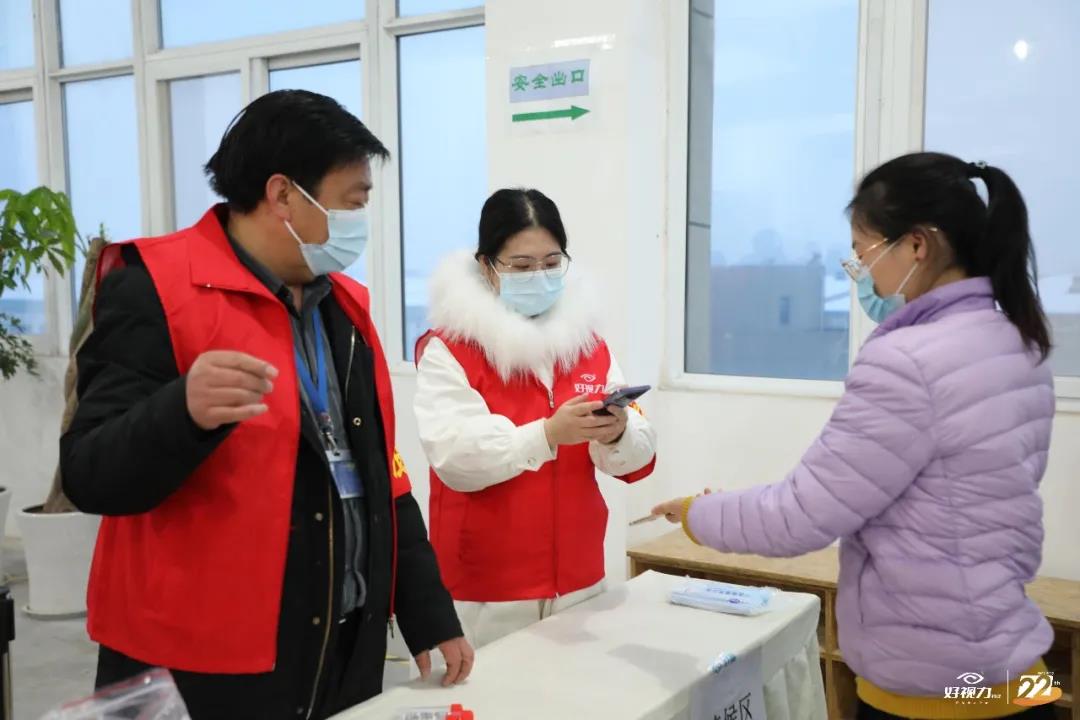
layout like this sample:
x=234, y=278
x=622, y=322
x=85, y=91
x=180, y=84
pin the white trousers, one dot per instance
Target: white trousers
x=486, y=622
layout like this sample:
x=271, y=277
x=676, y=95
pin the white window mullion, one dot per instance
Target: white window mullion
x=45, y=57
x=58, y=287
x=415, y=25
x=158, y=163
x=889, y=116
x=372, y=100
x=674, y=363
x=145, y=39
x=258, y=80
x=387, y=252
x=325, y=56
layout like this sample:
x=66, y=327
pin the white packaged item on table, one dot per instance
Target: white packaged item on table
x=723, y=597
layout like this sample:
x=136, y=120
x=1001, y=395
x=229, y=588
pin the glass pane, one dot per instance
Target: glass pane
x=341, y=81
x=102, y=160
x=771, y=164
x=443, y=157
x=16, y=34
x=202, y=109
x=1001, y=87
x=18, y=170
x=94, y=32
x=421, y=7
x=189, y=22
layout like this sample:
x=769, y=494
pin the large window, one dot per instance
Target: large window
x=94, y=32
x=19, y=170
x=339, y=80
x=102, y=160
x=443, y=157
x=1001, y=88
x=771, y=165
x=202, y=109
x=16, y=34
x=192, y=22
x=123, y=109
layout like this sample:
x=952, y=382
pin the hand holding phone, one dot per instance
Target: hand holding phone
x=622, y=398
x=574, y=423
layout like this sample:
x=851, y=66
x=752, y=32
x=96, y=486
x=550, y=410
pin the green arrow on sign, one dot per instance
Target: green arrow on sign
x=573, y=112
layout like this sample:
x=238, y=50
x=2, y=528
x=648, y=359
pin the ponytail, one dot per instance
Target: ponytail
x=1010, y=257
x=989, y=239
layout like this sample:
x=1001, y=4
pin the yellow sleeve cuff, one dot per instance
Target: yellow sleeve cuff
x=687, y=502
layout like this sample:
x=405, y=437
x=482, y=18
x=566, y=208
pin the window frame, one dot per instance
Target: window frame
x=25, y=85
x=889, y=121
x=387, y=258
x=372, y=40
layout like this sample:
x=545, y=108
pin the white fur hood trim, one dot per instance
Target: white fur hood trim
x=464, y=307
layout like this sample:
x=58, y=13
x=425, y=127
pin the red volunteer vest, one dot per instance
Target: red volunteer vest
x=195, y=584
x=540, y=534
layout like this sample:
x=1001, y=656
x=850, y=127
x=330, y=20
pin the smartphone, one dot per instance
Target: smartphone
x=622, y=398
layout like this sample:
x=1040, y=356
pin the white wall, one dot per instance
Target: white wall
x=607, y=172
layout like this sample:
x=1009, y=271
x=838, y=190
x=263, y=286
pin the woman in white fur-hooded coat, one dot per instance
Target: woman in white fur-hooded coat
x=508, y=386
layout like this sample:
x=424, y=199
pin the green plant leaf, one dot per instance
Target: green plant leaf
x=15, y=350
x=37, y=230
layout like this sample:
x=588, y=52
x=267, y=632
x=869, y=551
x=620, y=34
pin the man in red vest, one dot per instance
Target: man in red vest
x=236, y=430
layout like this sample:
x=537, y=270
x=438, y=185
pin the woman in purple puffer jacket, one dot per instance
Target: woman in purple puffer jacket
x=928, y=470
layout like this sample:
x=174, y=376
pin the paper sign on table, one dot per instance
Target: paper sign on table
x=734, y=692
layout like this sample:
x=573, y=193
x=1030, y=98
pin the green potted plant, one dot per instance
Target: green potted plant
x=37, y=231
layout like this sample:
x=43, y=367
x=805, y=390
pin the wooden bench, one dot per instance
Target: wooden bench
x=817, y=572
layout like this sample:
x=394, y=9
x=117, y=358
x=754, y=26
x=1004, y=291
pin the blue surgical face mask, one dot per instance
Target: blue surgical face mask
x=530, y=293
x=876, y=307
x=348, y=236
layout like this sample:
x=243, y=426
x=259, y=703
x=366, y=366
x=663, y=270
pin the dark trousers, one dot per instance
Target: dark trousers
x=865, y=712
x=348, y=678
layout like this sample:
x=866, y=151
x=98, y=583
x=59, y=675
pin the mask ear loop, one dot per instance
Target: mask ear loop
x=311, y=199
x=491, y=266
x=904, y=282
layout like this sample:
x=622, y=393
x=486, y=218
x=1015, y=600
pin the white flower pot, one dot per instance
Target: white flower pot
x=59, y=547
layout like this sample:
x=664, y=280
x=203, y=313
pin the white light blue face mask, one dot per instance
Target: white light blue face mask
x=530, y=293
x=347, y=239
x=876, y=307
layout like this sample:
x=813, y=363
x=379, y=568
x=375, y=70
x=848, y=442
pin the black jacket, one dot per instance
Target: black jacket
x=132, y=444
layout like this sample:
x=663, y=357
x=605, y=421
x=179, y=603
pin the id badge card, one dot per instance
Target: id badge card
x=346, y=477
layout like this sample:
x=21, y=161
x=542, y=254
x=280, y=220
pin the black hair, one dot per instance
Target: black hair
x=300, y=134
x=509, y=211
x=988, y=239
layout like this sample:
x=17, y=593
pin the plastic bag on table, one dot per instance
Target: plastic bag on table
x=152, y=696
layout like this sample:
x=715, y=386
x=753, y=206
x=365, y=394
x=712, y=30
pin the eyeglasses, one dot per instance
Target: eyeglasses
x=554, y=265
x=854, y=265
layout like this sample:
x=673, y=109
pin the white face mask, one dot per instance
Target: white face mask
x=348, y=236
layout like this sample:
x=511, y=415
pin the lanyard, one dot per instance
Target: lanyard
x=316, y=386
